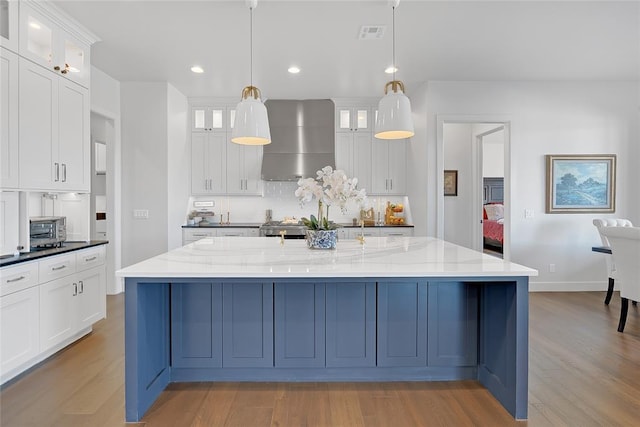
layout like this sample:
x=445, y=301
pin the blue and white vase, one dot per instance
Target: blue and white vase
x=322, y=239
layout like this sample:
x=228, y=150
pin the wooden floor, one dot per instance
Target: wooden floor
x=582, y=373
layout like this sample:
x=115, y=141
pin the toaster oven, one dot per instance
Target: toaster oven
x=47, y=231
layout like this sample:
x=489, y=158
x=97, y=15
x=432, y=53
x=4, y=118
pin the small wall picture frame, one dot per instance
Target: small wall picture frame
x=584, y=183
x=450, y=182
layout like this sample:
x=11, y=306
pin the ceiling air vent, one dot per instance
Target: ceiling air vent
x=371, y=32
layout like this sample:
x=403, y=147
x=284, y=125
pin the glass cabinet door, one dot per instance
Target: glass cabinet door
x=206, y=119
x=9, y=24
x=351, y=119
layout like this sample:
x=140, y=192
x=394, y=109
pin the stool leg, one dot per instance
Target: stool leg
x=607, y=299
x=623, y=314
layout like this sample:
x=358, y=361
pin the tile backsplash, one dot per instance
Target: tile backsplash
x=280, y=198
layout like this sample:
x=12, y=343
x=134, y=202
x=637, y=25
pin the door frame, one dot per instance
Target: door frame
x=507, y=121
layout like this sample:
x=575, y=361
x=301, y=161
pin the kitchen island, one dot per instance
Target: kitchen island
x=393, y=309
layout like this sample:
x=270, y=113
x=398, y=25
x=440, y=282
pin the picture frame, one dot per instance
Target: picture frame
x=450, y=182
x=584, y=183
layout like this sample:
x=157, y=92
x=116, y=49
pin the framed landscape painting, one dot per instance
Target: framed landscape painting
x=581, y=183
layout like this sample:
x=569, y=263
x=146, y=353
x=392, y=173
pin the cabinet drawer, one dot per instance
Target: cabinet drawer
x=89, y=258
x=19, y=277
x=190, y=234
x=57, y=266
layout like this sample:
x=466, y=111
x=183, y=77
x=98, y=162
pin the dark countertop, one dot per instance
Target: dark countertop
x=256, y=225
x=232, y=225
x=43, y=253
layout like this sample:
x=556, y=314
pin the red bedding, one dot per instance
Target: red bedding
x=493, y=230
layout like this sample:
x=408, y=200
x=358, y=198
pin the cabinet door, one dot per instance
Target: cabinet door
x=9, y=220
x=351, y=325
x=76, y=65
x=74, y=145
x=209, y=118
x=397, y=167
x=252, y=166
x=366, y=232
x=235, y=168
x=217, y=162
x=453, y=324
x=196, y=325
x=37, y=37
x=344, y=152
x=8, y=119
x=38, y=127
x=199, y=163
x=247, y=325
x=379, y=166
x=299, y=325
x=362, y=159
x=92, y=296
x=57, y=311
x=402, y=324
x=396, y=231
x=19, y=324
x=9, y=24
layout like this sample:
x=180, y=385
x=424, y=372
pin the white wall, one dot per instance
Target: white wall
x=144, y=170
x=178, y=165
x=105, y=101
x=547, y=118
x=493, y=155
x=458, y=210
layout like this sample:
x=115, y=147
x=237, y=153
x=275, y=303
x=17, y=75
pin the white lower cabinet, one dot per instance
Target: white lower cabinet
x=47, y=304
x=353, y=233
x=19, y=328
x=57, y=311
x=190, y=235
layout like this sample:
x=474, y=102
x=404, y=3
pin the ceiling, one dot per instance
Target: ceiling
x=158, y=41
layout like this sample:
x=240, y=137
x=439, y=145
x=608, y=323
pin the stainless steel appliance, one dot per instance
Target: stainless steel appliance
x=47, y=231
x=303, y=135
x=274, y=228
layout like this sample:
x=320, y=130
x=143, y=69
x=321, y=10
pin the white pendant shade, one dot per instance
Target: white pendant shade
x=251, y=126
x=394, y=119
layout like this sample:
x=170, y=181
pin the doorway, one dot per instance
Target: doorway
x=475, y=149
x=105, y=214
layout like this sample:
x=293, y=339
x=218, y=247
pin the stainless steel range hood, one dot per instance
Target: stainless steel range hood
x=302, y=139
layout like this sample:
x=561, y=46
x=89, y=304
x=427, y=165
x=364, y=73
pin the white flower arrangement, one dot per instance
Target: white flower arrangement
x=331, y=188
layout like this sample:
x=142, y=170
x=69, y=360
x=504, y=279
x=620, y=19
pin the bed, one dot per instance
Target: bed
x=493, y=226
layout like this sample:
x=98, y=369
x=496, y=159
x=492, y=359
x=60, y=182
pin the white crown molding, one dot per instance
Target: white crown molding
x=63, y=20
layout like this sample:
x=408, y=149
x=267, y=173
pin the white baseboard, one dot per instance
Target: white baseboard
x=568, y=286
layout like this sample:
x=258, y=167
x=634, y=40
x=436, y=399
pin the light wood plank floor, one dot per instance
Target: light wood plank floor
x=582, y=373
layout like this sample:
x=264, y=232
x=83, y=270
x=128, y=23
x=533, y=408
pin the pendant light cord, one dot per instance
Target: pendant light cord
x=251, y=45
x=393, y=41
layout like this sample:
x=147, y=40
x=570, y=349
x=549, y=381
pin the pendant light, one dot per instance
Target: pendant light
x=394, y=119
x=251, y=126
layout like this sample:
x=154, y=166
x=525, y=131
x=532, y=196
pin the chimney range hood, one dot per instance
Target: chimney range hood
x=302, y=139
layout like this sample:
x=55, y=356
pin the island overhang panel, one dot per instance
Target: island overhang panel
x=395, y=309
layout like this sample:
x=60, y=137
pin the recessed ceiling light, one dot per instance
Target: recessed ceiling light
x=294, y=70
x=197, y=69
x=391, y=70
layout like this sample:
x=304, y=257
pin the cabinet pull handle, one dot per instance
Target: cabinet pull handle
x=58, y=268
x=391, y=184
x=75, y=289
x=91, y=258
x=81, y=286
x=64, y=172
x=56, y=68
x=17, y=279
x=57, y=165
x=386, y=184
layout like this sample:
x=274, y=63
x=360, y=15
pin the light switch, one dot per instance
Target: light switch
x=141, y=213
x=528, y=213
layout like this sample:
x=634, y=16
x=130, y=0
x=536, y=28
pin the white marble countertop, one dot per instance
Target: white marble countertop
x=260, y=257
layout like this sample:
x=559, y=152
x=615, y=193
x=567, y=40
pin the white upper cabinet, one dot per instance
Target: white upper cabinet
x=8, y=119
x=244, y=164
x=54, y=131
x=389, y=159
x=9, y=24
x=45, y=42
x=212, y=118
x=208, y=163
x=354, y=118
x=353, y=155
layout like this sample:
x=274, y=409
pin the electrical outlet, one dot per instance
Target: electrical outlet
x=528, y=213
x=552, y=268
x=141, y=213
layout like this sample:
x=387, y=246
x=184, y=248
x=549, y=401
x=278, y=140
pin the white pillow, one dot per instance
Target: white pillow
x=494, y=212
